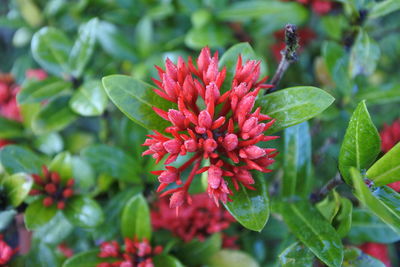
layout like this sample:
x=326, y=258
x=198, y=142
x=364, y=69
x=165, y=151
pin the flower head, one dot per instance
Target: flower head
x=52, y=188
x=8, y=101
x=377, y=250
x=6, y=252
x=199, y=220
x=135, y=253
x=222, y=126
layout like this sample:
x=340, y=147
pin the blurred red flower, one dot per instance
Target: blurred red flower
x=376, y=250
x=6, y=252
x=320, y=7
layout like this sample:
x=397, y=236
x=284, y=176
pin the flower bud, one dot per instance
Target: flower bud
x=48, y=201
x=172, y=146
x=252, y=152
x=214, y=176
x=230, y=142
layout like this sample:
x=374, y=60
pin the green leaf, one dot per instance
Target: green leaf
x=366, y=227
x=383, y=210
x=250, y=207
x=10, y=128
x=83, y=212
x=163, y=260
x=231, y=258
x=364, y=56
x=86, y=259
x=330, y=206
x=83, y=48
x=293, y=105
x=144, y=34
x=51, y=48
x=37, y=91
x=62, y=164
x=83, y=174
x=17, y=159
x=297, y=161
x=230, y=57
x=383, y=8
x=112, y=161
x=314, y=231
x=136, y=99
x=379, y=96
x=37, y=214
x=211, y=35
x=6, y=217
x=90, y=99
x=55, y=231
x=55, y=116
x=17, y=187
x=49, y=144
x=196, y=253
x=361, y=144
x=30, y=12
x=354, y=257
x=296, y=255
x=135, y=221
x=387, y=169
x=342, y=221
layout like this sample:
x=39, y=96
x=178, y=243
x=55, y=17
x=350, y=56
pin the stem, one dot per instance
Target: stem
x=324, y=191
x=288, y=56
x=192, y=175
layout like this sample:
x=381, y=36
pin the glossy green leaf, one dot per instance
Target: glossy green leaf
x=387, y=169
x=230, y=57
x=136, y=99
x=163, y=260
x=83, y=48
x=211, y=35
x=250, y=207
x=55, y=231
x=90, y=99
x=383, y=210
x=388, y=197
x=379, y=96
x=50, y=48
x=297, y=161
x=293, y=105
x=329, y=207
x=308, y=225
x=37, y=214
x=354, y=257
x=86, y=259
x=196, y=253
x=361, y=144
x=83, y=173
x=55, y=116
x=17, y=187
x=112, y=161
x=342, y=221
x=144, y=34
x=10, y=128
x=296, y=255
x=50, y=143
x=364, y=55
x=231, y=258
x=17, y=159
x=62, y=164
x=83, y=212
x=135, y=221
x=38, y=91
x=6, y=217
x=383, y=8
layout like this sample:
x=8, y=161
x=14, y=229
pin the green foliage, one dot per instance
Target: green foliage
x=387, y=169
x=135, y=221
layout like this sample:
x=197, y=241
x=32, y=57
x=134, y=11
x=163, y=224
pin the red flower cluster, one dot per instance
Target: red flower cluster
x=320, y=7
x=6, y=252
x=51, y=186
x=225, y=131
x=199, y=220
x=390, y=136
x=306, y=35
x=135, y=254
x=8, y=102
x=376, y=250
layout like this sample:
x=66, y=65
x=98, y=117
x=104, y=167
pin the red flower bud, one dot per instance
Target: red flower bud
x=70, y=182
x=50, y=188
x=204, y=122
x=231, y=142
x=48, y=201
x=55, y=178
x=67, y=193
x=60, y=205
x=190, y=145
x=168, y=176
x=252, y=152
x=172, y=146
x=177, y=118
x=210, y=145
x=177, y=199
x=214, y=176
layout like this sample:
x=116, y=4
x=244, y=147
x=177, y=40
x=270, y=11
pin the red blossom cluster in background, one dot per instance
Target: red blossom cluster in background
x=199, y=220
x=378, y=251
x=134, y=254
x=211, y=124
x=320, y=7
x=6, y=252
x=52, y=188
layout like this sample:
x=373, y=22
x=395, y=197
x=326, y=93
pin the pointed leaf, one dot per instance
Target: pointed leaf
x=313, y=231
x=361, y=143
x=250, y=207
x=296, y=255
x=163, y=260
x=55, y=231
x=354, y=257
x=196, y=253
x=383, y=8
x=62, y=164
x=83, y=212
x=10, y=128
x=86, y=259
x=135, y=221
x=365, y=54
x=17, y=159
x=90, y=99
x=136, y=99
x=293, y=105
x=17, y=187
x=231, y=258
x=387, y=169
x=37, y=214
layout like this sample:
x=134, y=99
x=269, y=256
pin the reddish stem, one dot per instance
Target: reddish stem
x=192, y=175
x=189, y=162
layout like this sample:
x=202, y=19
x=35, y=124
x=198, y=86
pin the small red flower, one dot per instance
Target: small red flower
x=6, y=252
x=37, y=74
x=199, y=220
x=320, y=7
x=8, y=102
x=65, y=250
x=376, y=250
x=212, y=124
x=390, y=136
x=52, y=188
x=135, y=254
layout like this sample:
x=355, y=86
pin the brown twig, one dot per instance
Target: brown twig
x=329, y=186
